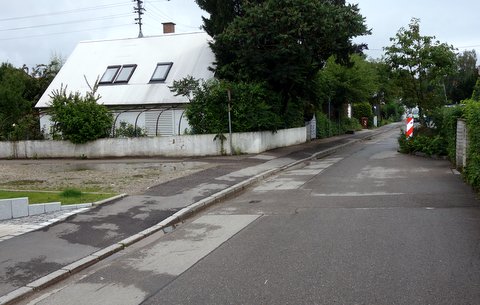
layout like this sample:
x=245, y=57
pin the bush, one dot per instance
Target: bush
x=392, y=111
x=127, y=130
x=445, y=123
x=79, y=119
x=326, y=128
x=253, y=107
x=429, y=145
x=363, y=110
x=472, y=117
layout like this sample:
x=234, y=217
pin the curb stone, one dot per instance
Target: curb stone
x=169, y=222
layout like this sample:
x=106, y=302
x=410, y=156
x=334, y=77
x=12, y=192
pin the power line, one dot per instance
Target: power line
x=66, y=22
x=66, y=11
x=68, y=32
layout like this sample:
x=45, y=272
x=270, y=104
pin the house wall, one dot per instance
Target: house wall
x=174, y=146
x=170, y=121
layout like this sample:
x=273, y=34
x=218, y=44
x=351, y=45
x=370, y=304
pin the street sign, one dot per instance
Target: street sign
x=409, y=130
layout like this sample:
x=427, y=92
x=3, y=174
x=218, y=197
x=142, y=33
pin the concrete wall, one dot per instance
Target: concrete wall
x=175, y=146
x=462, y=144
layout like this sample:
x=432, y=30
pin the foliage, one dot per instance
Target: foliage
x=289, y=43
x=360, y=110
x=79, y=119
x=20, y=89
x=445, y=124
x=127, y=130
x=430, y=145
x=472, y=117
x=343, y=84
x=327, y=128
x=420, y=64
x=71, y=193
x=253, y=108
x=392, y=111
x=476, y=91
x=459, y=84
x=222, y=13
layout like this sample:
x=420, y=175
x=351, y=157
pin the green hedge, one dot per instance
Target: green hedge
x=472, y=117
x=328, y=128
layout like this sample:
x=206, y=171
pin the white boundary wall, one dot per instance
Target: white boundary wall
x=175, y=146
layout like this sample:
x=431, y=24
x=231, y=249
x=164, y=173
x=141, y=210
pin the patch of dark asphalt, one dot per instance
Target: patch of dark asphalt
x=182, y=184
x=98, y=231
x=24, y=272
x=147, y=281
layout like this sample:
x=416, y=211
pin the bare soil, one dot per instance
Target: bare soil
x=112, y=176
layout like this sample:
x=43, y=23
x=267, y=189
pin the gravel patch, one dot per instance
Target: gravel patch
x=115, y=176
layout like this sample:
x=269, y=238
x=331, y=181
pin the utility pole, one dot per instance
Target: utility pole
x=139, y=9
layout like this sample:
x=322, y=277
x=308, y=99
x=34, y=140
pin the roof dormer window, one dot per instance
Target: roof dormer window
x=118, y=74
x=161, y=72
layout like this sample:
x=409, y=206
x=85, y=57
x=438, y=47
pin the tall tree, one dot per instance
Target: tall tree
x=285, y=43
x=343, y=84
x=222, y=13
x=422, y=64
x=20, y=89
x=459, y=85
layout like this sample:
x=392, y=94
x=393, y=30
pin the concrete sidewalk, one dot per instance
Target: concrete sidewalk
x=37, y=259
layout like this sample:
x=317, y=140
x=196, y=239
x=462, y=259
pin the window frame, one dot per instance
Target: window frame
x=115, y=81
x=112, y=79
x=160, y=80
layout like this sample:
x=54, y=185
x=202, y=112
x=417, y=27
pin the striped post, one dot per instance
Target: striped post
x=409, y=130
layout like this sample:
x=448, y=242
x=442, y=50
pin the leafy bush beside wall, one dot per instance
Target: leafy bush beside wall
x=472, y=117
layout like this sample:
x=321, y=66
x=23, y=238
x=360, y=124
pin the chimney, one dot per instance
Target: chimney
x=168, y=27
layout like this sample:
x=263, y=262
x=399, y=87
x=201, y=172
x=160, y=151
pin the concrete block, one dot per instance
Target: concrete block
x=52, y=207
x=15, y=295
x=5, y=209
x=105, y=252
x=35, y=209
x=81, y=264
x=132, y=239
x=19, y=207
x=76, y=206
x=49, y=279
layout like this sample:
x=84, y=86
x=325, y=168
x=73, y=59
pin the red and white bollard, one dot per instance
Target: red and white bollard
x=409, y=130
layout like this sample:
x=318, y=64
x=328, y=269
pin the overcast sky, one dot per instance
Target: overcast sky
x=32, y=31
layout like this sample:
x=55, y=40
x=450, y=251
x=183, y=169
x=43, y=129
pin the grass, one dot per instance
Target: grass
x=68, y=196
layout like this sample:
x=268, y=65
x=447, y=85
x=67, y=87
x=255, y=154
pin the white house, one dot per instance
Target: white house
x=134, y=78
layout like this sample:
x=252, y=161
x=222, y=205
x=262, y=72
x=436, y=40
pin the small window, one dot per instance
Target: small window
x=110, y=74
x=125, y=73
x=161, y=72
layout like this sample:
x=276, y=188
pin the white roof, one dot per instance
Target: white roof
x=190, y=54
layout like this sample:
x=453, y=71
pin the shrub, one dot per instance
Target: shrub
x=472, y=117
x=127, y=130
x=326, y=128
x=253, y=107
x=69, y=193
x=363, y=110
x=392, y=111
x=79, y=119
x=429, y=145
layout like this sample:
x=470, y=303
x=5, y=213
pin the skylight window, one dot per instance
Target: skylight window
x=110, y=74
x=117, y=74
x=125, y=73
x=161, y=72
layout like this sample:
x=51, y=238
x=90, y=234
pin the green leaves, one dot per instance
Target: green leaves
x=253, y=108
x=79, y=119
x=283, y=44
x=421, y=64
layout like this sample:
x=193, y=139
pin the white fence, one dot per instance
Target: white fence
x=175, y=146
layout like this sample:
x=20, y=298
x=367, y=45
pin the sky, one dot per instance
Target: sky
x=33, y=31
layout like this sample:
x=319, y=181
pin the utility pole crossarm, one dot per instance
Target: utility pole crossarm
x=139, y=9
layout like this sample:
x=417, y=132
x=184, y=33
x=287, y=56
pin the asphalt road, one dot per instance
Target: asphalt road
x=366, y=225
